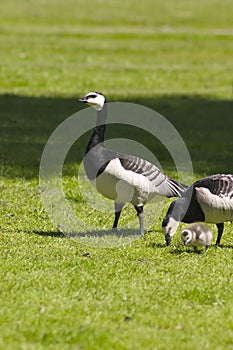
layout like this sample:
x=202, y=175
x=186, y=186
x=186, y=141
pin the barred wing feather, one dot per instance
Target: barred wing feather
x=220, y=185
x=162, y=184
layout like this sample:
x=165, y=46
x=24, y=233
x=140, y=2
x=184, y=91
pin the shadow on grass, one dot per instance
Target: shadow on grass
x=150, y=240
x=132, y=234
x=49, y=234
x=97, y=238
x=204, y=124
x=103, y=233
x=224, y=246
x=120, y=233
x=156, y=245
x=191, y=251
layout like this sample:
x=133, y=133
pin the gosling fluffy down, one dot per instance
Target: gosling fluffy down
x=197, y=235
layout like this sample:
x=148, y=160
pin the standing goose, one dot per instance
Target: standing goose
x=121, y=177
x=207, y=200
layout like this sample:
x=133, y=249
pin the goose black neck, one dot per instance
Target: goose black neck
x=99, y=131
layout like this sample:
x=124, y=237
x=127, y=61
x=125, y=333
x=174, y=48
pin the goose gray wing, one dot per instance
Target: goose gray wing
x=220, y=185
x=163, y=185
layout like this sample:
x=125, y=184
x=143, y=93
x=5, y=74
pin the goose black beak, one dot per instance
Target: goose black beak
x=168, y=240
x=84, y=100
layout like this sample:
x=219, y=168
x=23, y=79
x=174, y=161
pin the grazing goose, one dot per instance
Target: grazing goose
x=207, y=200
x=197, y=235
x=121, y=177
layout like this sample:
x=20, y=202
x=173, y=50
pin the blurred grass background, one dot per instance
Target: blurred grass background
x=65, y=48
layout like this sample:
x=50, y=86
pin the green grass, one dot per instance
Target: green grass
x=125, y=50
x=57, y=293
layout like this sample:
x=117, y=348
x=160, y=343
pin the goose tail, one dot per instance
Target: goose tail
x=176, y=189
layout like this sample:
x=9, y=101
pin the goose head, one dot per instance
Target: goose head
x=173, y=217
x=169, y=226
x=186, y=236
x=94, y=99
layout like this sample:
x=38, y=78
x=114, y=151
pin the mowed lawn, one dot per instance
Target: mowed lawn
x=57, y=293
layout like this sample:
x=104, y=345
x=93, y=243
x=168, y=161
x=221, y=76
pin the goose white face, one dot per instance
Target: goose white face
x=169, y=227
x=94, y=99
x=186, y=236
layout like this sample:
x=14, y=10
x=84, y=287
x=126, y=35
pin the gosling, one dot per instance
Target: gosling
x=197, y=235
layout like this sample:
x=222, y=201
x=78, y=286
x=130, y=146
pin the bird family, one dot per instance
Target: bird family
x=126, y=178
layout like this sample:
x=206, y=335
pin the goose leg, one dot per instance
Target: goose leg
x=139, y=209
x=220, y=231
x=118, y=208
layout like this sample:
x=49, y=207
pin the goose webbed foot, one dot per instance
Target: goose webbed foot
x=143, y=233
x=114, y=230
